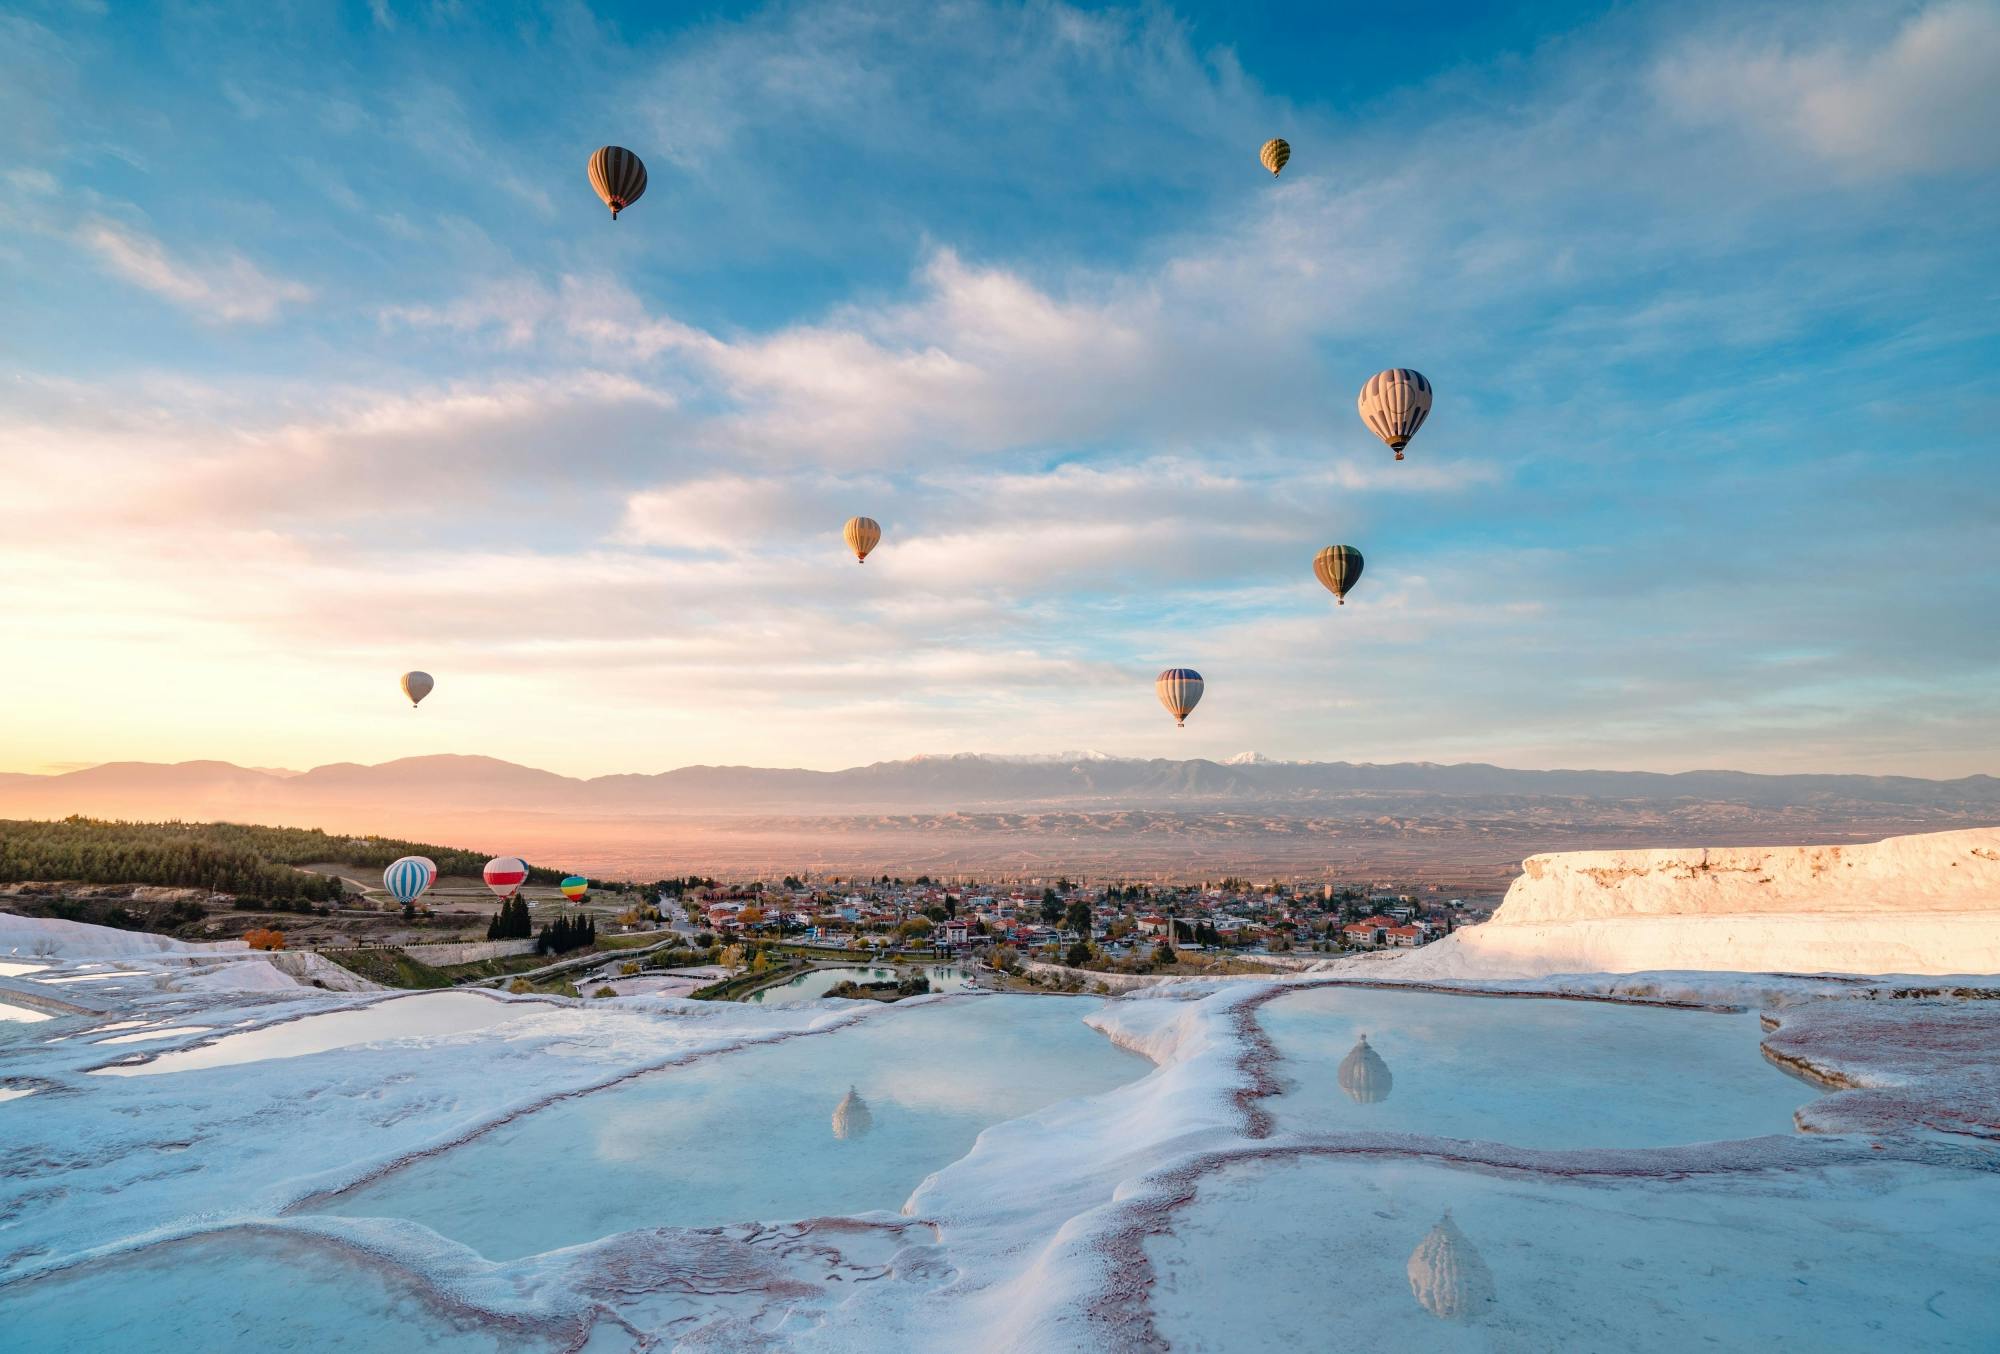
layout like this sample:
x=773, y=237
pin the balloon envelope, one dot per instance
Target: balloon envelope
x=1394, y=404
x=406, y=879
x=574, y=887
x=863, y=534
x=619, y=177
x=1338, y=567
x=505, y=874
x=1274, y=155
x=417, y=685
x=1180, y=691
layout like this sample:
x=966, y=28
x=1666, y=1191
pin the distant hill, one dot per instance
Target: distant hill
x=1083, y=812
x=210, y=789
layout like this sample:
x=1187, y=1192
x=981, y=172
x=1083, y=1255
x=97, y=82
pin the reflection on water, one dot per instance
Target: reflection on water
x=399, y=1018
x=742, y=1136
x=1447, y=1276
x=1364, y=1076
x=851, y=1117
x=1532, y=1073
x=816, y=984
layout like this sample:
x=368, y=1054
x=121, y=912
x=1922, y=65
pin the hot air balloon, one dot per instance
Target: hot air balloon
x=1180, y=692
x=406, y=879
x=1394, y=404
x=863, y=534
x=574, y=887
x=417, y=685
x=1274, y=155
x=505, y=874
x=1339, y=568
x=619, y=177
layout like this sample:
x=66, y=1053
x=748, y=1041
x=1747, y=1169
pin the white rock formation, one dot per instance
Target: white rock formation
x=1923, y=904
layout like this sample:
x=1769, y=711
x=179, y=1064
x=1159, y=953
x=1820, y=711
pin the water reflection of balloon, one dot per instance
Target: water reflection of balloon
x=417, y=685
x=851, y=1117
x=1363, y=1074
x=505, y=875
x=1394, y=404
x=407, y=878
x=1179, y=690
x=1447, y=1276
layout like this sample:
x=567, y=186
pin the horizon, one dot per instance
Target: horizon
x=328, y=365
x=1248, y=758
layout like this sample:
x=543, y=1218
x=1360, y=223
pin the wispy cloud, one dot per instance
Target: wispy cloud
x=229, y=289
x=1920, y=99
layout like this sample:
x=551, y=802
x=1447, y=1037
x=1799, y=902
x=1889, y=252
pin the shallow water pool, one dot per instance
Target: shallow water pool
x=816, y=984
x=1532, y=1073
x=1311, y=1253
x=767, y=1132
x=400, y=1018
x=250, y=1293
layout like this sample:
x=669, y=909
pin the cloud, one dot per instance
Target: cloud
x=230, y=289
x=1925, y=100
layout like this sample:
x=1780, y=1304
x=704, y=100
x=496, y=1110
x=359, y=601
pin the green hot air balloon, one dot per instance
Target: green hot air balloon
x=1338, y=567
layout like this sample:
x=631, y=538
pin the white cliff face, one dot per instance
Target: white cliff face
x=1925, y=904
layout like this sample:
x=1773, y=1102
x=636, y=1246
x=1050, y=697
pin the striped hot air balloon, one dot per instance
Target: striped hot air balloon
x=1339, y=568
x=619, y=177
x=505, y=874
x=1277, y=151
x=406, y=879
x=1180, y=691
x=1394, y=404
x=417, y=685
x=863, y=534
x=574, y=887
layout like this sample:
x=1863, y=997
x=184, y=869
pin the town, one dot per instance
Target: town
x=1114, y=926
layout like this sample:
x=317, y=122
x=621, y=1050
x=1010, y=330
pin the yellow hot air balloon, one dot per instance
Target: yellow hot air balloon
x=619, y=177
x=863, y=534
x=1179, y=690
x=1394, y=404
x=1277, y=151
x=1339, y=568
x=417, y=685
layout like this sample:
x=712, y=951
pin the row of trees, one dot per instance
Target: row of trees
x=565, y=934
x=511, y=922
x=237, y=858
x=218, y=857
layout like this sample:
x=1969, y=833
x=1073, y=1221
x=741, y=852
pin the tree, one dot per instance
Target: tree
x=1079, y=954
x=264, y=938
x=1052, y=907
x=1077, y=918
x=1163, y=953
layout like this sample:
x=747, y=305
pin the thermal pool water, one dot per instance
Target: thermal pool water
x=1532, y=1073
x=761, y=1133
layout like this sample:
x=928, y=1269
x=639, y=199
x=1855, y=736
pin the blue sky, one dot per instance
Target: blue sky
x=322, y=362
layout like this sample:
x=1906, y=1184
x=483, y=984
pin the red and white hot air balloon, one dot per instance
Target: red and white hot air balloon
x=506, y=874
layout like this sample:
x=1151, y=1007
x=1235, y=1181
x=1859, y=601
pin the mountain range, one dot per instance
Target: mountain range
x=1248, y=812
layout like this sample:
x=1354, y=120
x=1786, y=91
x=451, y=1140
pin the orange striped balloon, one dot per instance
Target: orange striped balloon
x=619, y=177
x=1179, y=690
x=1276, y=153
x=863, y=534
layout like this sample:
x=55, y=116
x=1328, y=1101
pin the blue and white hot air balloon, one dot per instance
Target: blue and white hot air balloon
x=406, y=879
